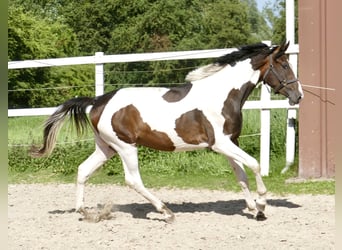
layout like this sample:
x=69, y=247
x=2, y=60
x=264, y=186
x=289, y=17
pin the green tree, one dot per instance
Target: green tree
x=226, y=24
x=175, y=25
x=156, y=26
x=31, y=37
x=56, y=28
x=92, y=22
x=260, y=30
x=276, y=16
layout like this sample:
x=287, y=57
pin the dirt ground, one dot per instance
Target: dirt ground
x=42, y=216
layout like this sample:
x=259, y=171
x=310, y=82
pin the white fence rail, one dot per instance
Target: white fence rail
x=265, y=104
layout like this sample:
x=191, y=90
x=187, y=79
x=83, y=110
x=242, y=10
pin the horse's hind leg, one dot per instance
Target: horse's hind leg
x=243, y=181
x=129, y=156
x=101, y=154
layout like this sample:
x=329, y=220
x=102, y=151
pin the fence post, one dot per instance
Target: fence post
x=99, y=75
x=290, y=20
x=290, y=138
x=291, y=122
x=265, y=130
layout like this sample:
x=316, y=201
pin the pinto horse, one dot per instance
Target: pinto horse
x=205, y=112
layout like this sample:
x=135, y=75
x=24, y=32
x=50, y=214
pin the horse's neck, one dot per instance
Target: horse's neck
x=232, y=82
x=229, y=77
x=246, y=90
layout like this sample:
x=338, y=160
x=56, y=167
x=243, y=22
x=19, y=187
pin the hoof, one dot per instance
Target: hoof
x=96, y=216
x=260, y=216
x=81, y=210
x=170, y=219
x=169, y=216
x=251, y=205
x=260, y=204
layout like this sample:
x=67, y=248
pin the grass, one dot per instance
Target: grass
x=26, y=131
x=197, y=169
x=275, y=182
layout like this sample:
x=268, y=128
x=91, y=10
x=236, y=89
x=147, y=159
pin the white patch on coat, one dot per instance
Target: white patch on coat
x=207, y=95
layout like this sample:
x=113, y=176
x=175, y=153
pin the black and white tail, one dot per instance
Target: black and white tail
x=75, y=109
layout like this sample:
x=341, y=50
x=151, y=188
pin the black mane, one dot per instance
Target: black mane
x=244, y=52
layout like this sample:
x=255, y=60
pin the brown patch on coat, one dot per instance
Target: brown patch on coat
x=98, y=107
x=130, y=128
x=176, y=94
x=231, y=110
x=194, y=128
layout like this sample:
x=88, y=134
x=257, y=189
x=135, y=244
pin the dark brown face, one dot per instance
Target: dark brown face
x=279, y=75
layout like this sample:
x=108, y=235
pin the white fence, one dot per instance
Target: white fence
x=265, y=104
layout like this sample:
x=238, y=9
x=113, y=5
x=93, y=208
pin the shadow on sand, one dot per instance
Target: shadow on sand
x=231, y=207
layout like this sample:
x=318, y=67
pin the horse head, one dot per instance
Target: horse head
x=278, y=74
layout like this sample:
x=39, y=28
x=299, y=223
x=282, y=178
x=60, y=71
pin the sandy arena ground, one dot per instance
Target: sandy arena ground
x=43, y=217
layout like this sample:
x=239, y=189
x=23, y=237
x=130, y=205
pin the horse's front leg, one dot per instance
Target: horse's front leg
x=232, y=151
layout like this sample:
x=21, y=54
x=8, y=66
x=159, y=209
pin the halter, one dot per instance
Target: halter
x=282, y=82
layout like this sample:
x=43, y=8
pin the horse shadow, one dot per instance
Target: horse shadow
x=229, y=208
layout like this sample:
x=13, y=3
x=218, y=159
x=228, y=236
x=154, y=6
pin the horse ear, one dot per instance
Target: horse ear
x=285, y=45
x=281, y=49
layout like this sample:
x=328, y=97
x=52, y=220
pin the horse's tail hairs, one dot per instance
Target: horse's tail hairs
x=74, y=108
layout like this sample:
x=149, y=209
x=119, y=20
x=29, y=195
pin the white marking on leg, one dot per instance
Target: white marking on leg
x=228, y=148
x=101, y=154
x=243, y=181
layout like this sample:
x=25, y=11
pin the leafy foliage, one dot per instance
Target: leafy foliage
x=260, y=29
x=33, y=37
x=275, y=16
x=171, y=26
x=51, y=29
x=30, y=37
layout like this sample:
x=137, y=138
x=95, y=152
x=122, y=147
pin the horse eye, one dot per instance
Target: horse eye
x=285, y=65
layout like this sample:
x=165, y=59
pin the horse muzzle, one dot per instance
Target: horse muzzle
x=295, y=99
